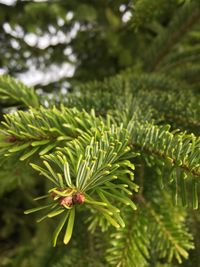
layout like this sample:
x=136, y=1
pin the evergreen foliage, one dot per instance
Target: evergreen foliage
x=110, y=169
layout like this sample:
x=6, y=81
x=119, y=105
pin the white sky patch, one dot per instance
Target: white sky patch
x=11, y=2
x=68, y=51
x=15, y=44
x=60, y=22
x=74, y=30
x=69, y=15
x=54, y=73
x=2, y=71
x=7, y=28
x=64, y=91
x=72, y=58
x=52, y=29
x=44, y=77
x=39, y=1
x=127, y=16
x=31, y=39
x=17, y=31
x=7, y=2
x=122, y=8
x=47, y=39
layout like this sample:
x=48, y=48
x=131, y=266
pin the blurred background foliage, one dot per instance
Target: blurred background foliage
x=55, y=45
x=96, y=38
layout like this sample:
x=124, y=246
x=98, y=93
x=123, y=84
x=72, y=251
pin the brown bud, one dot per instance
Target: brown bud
x=53, y=195
x=66, y=201
x=11, y=139
x=78, y=198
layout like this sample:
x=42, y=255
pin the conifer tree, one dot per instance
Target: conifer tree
x=106, y=173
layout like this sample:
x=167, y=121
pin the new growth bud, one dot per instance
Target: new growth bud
x=78, y=198
x=66, y=201
x=11, y=139
x=68, y=198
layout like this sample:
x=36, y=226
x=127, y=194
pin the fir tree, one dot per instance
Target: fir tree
x=109, y=169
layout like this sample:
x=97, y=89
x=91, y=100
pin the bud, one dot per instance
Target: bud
x=66, y=201
x=53, y=195
x=11, y=139
x=78, y=198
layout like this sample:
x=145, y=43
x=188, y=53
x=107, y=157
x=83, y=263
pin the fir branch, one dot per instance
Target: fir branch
x=85, y=172
x=185, y=55
x=15, y=92
x=132, y=81
x=179, y=107
x=141, y=95
x=190, y=73
x=43, y=129
x=187, y=16
x=168, y=239
x=144, y=11
x=129, y=245
x=180, y=150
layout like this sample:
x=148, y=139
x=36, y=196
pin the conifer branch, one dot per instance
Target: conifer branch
x=145, y=11
x=133, y=238
x=15, y=92
x=43, y=129
x=85, y=172
x=109, y=160
x=150, y=229
x=181, y=150
x=190, y=54
x=169, y=240
x=179, y=26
